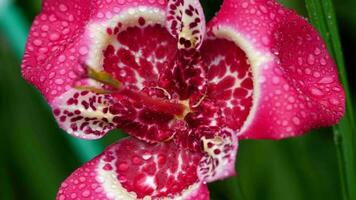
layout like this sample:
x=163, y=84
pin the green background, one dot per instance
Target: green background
x=36, y=156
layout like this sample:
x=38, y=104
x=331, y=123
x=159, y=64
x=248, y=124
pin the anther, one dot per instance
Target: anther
x=103, y=77
x=93, y=89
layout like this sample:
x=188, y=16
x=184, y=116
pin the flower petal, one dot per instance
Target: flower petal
x=202, y=193
x=295, y=82
x=85, y=114
x=230, y=85
x=186, y=22
x=132, y=169
x=69, y=36
x=89, y=115
x=53, y=47
x=220, y=150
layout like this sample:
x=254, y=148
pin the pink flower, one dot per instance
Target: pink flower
x=185, y=92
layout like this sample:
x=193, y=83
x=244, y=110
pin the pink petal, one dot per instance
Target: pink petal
x=200, y=194
x=186, y=22
x=138, y=55
x=295, y=81
x=230, y=85
x=68, y=36
x=51, y=56
x=218, y=161
x=85, y=114
x=89, y=115
x=133, y=169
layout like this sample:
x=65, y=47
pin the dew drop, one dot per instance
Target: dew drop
x=136, y=160
x=326, y=80
x=317, y=51
x=54, y=36
x=62, y=197
x=37, y=42
x=265, y=40
x=122, y=178
x=83, y=50
x=275, y=80
x=307, y=71
x=316, y=92
x=73, y=196
x=316, y=74
x=86, y=193
x=146, y=156
x=311, y=59
x=82, y=179
x=63, y=8
x=296, y=120
x=61, y=58
x=45, y=28
x=64, y=185
x=291, y=99
x=123, y=166
x=244, y=4
x=334, y=101
x=59, y=81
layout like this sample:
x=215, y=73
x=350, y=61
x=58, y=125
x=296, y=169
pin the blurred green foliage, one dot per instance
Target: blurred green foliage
x=36, y=156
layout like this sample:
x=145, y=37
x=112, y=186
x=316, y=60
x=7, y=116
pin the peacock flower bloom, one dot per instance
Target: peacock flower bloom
x=184, y=91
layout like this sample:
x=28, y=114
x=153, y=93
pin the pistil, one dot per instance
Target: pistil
x=178, y=109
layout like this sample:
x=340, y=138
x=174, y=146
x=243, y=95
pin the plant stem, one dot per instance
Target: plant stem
x=322, y=16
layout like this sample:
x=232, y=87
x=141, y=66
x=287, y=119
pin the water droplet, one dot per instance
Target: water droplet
x=82, y=179
x=61, y=58
x=122, y=178
x=311, y=59
x=334, y=101
x=300, y=61
x=37, y=42
x=146, y=156
x=54, y=36
x=326, y=80
x=62, y=197
x=317, y=51
x=83, y=50
x=73, y=195
x=275, y=80
x=265, y=40
x=59, y=81
x=63, y=7
x=123, y=166
x=296, y=120
x=244, y=5
x=136, y=160
x=45, y=28
x=86, y=193
x=316, y=92
x=307, y=71
x=291, y=99
x=316, y=74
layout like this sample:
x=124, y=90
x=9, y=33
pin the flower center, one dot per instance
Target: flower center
x=162, y=85
x=160, y=92
x=179, y=109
